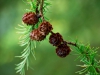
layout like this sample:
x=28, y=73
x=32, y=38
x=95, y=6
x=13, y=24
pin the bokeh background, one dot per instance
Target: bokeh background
x=74, y=19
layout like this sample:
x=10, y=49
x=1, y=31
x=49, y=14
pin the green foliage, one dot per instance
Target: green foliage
x=24, y=40
x=87, y=56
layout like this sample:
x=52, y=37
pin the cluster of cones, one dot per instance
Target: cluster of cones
x=43, y=30
x=62, y=49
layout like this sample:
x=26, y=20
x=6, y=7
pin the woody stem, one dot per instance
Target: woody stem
x=41, y=9
x=37, y=5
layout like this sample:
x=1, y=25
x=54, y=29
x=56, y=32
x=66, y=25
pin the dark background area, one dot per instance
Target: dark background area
x=74, y=19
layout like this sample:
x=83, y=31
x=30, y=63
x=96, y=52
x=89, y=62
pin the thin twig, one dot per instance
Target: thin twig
x=37, y=6
x=97, y=70
x=70, y=43
x=41, y=9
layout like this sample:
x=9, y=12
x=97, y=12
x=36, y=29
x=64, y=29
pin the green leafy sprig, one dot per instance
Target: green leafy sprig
x=87, y=55
x=25, y=31
x=24, y=40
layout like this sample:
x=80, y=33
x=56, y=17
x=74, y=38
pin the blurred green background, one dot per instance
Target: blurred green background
x=72, y=18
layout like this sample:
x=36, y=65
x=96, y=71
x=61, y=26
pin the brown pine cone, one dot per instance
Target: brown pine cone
x=30, y=18
x=63, y=50
x=45, y=27
x=55, y=39
x=36, y=35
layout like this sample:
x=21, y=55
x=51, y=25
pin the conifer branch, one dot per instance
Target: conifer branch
x=87, y=56
x=85, y=53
